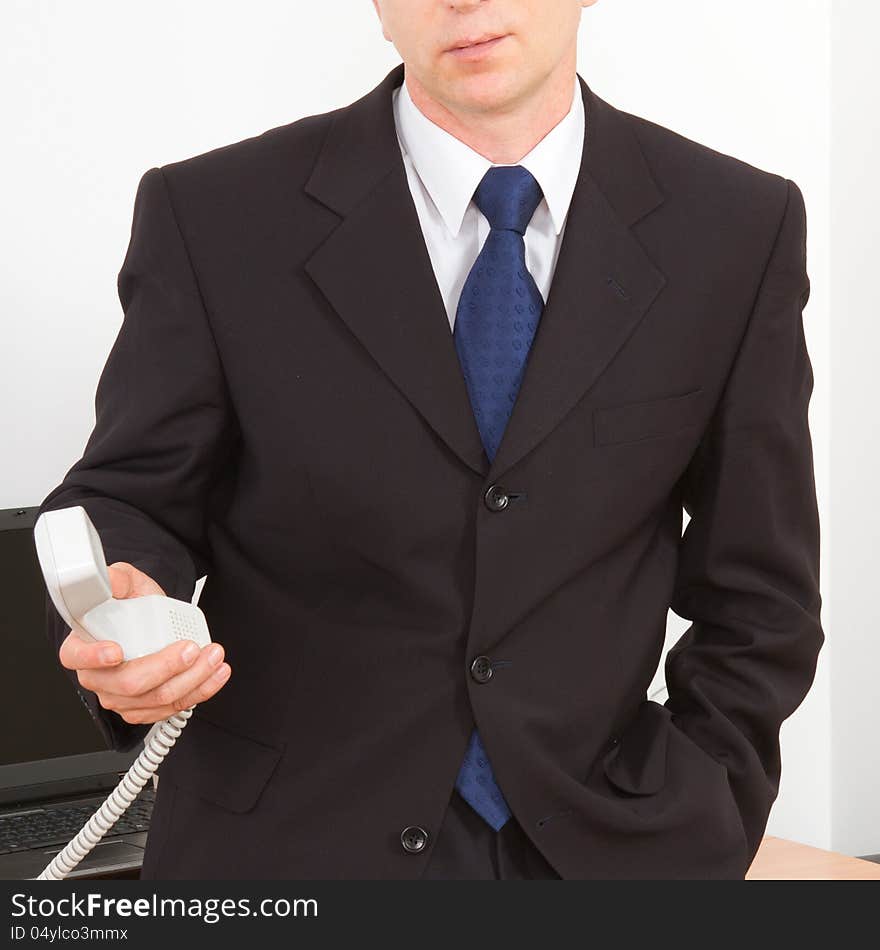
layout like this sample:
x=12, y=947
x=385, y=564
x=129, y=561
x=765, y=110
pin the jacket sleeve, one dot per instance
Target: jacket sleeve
x=163, y=427
x=748, y=574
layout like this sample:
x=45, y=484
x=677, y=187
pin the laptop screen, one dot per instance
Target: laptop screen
x=48, y=735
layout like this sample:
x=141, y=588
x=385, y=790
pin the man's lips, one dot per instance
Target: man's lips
x=474, y=48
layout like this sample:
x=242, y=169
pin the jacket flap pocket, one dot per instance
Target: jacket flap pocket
x=225, y=767
x=637, y=764
x=645, y=420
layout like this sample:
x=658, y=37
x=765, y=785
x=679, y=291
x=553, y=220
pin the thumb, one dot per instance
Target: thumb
x=121, y=579
x=127, y=581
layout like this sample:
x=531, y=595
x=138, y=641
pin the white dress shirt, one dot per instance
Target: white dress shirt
x=443, y=174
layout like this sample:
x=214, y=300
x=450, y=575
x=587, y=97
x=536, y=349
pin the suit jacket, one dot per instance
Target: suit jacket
x=283, y=410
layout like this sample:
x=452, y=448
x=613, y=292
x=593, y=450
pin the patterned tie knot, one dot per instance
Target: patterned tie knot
x=508, y=196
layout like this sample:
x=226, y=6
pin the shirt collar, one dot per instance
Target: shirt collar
x=451, y=170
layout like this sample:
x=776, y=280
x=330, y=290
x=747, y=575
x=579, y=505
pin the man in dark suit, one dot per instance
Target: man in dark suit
x=423, y=385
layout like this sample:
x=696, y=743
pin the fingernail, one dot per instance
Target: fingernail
x=214, y=655
x=189, y=652
x=222, y=672
x=109, y=655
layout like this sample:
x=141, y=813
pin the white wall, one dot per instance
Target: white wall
x=105, y=90
x=855, y=515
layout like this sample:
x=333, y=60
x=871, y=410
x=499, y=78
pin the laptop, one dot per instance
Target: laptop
x=55, y=767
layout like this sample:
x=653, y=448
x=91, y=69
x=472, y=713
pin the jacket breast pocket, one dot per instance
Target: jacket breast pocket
x=223, y=766
x=651, y=419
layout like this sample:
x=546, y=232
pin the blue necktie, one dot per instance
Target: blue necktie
x=495, y=323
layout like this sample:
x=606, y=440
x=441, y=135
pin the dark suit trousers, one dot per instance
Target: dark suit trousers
x=467, y=848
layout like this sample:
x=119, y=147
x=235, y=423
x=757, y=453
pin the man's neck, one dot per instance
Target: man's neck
x=503, y=137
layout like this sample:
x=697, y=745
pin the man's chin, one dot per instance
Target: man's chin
x=482, y=91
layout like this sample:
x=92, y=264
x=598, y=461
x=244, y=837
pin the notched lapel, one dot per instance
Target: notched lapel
x=376, y=273
x=603, y=285
x=375, y=269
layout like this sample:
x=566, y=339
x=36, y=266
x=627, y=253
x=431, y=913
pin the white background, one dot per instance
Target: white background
x=97, y=92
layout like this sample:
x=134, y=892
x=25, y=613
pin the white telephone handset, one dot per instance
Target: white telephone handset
x=72, y=561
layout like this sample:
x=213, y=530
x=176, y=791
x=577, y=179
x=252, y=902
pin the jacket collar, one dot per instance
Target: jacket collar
x=375, y=271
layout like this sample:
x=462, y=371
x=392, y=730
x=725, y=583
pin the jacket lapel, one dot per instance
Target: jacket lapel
x=602, y=287
x=375, y=270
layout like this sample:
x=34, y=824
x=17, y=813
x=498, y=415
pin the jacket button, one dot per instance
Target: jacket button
x=481, y=669
x=496, y=498
x=413, y=838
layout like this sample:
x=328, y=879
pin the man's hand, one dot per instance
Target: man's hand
x=149, y=688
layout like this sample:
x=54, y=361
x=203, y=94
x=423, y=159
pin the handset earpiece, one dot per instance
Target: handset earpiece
x=72, y=560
